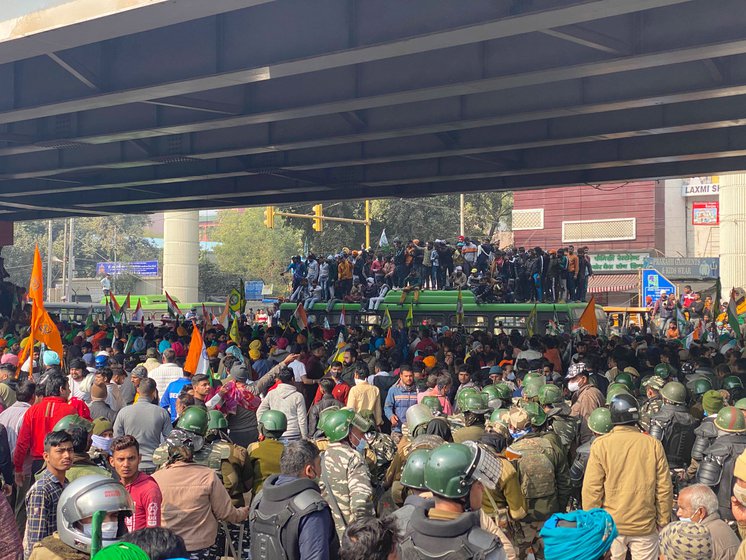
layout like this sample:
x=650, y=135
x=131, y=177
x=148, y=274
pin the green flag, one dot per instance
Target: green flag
x=532, y=322
x=386, y=322
x=733, y=314
x=410, y=317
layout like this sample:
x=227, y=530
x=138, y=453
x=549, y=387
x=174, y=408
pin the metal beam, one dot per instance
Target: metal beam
x=76, y=70
x=194, y=104
x=501, y=83
x=580, y=12
x=589, y=38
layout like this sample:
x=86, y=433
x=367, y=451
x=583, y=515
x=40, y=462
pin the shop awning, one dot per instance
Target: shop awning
x=604, y=283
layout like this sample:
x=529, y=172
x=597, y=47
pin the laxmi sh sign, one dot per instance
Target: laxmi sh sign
x=701, y=186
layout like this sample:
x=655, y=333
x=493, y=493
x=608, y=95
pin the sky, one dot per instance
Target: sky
x=14, y=8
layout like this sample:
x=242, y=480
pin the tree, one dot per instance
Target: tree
x=101, y=239
x=214, y=283
x=250, y=250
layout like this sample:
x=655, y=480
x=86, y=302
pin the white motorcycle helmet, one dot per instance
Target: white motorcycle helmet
x=81, y=499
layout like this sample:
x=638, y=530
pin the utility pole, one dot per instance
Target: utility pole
x=461, y=204
x=71, y=263
x=49, y=260
x=64, y=262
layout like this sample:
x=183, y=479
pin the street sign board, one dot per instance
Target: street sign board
x=685, y=269
x=147, y=269
x=253, y=289
x=652, y=284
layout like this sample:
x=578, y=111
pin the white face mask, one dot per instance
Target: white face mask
x=108, y=530
x=740, y=494
x=573, y=386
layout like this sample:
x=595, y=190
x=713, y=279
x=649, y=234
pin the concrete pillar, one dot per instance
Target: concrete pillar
x=732, y=231
x=181, y=255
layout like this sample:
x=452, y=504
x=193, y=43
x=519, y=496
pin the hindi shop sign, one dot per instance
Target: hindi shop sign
x=705, y=213
x=147, y=269
x=618, y=262
x=685, y=269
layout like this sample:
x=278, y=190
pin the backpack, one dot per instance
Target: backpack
x=535, y=468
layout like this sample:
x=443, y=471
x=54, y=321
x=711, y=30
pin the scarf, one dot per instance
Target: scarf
x=590, y=539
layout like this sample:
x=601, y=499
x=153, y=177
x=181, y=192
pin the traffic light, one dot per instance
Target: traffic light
x=318, y=222
x=269, y=217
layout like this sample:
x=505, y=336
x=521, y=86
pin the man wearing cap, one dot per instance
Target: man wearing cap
x=98, y=406
x=147, y=422
x=654, y=401
x=139, y=373
x=151, y=359
x=585, y=397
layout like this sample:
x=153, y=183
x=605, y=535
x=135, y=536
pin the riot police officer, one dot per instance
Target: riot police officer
x=652, y=405
x=599, y=423
x=716, y=468
x=674, y=426
x=448, y=529
x=559, y=420
x=474, y=408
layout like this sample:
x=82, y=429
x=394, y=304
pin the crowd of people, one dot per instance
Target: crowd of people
x=493, y=274
x=353, y=443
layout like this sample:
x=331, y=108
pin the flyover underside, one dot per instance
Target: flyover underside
x=291, y=101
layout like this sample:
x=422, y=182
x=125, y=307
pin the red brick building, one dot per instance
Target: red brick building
x=619, y=223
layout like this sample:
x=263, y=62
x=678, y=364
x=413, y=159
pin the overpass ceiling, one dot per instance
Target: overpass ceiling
x=238, y=102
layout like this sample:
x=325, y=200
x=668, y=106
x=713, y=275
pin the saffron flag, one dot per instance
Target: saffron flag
x=588, y=319
x=173, y=309
x=196, y=360
x=224, y=314
x=35, y=294
x=45, y=331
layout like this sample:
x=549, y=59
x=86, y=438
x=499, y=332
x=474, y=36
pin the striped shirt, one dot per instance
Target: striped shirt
x=165, y=374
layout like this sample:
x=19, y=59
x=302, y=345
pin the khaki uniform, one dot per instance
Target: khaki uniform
x=469, y=433
x=264, y=458
x=627, y=475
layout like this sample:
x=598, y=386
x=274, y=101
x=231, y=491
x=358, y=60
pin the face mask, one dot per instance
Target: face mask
x=101, y=443
x=573, y=386
x=740, y=494
x=519, y=433
x=109, y=530
x=685, y=519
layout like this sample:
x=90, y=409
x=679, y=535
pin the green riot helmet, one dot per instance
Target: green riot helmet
x=193, y=419
x=216, y=420
x=536, y=413
x=500, y=416
x=273, y=422
x=550, y=394
x=504, y=392
x=337, y=424
x=730, y=419
x=533, y=375
x=663, y=370
x=417, y=415
x=324, y=415
x=625, y=379
x=433, y=403
x=614, y=390
x=599, y=420
x=490, y=394
x=476, y=404
x=413, y=473
x=701, y=386
x=73, y=421
x=463, y=394
x=741, y=404
x=447, y=470
x=532, y=387
x=362, y=423
x=674, y=392
x=732, y=382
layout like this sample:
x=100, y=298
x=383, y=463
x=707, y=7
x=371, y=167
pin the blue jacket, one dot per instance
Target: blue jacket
x=398, y=400
x=168, y=399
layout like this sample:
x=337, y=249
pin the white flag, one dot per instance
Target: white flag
x=384, y=241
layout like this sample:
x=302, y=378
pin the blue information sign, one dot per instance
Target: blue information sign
x=253, y=289
x=653, y=284
x=138, y=268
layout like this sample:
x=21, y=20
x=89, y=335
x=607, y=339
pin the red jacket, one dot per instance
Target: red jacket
x=146, y=495
x=37, y=423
